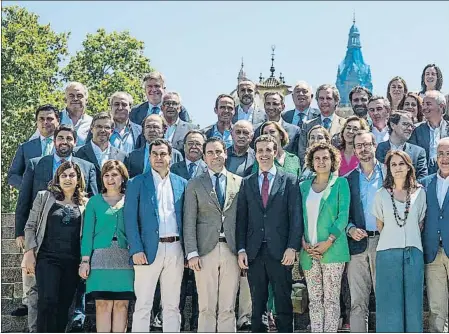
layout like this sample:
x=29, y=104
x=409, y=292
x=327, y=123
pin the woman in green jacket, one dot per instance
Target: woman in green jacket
x=325, y=246
x=104, y=251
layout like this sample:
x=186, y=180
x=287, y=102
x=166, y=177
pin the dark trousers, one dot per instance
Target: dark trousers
x=262, y=271
x=345, y=297
x=56, y=282
x=80, y=301
x=188, y=287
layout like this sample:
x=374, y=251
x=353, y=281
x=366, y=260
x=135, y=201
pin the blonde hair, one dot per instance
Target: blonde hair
x=155, y=75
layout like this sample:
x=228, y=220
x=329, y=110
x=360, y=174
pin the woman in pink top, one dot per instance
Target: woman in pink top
x=348, y=159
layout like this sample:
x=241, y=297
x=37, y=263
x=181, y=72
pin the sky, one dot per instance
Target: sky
x=198, y=46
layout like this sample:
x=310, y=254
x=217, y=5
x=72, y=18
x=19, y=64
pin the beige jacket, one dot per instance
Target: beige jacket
x=37, y=220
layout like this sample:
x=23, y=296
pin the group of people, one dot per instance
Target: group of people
x=137, y=204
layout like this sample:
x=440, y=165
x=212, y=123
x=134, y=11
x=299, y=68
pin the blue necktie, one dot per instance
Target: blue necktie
x=327, y=123
x=218, y=190
x=192, y=168
x=155, y=110
x=301, y=119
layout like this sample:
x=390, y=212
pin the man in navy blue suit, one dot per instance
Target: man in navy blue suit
x=153, y=224
x=435, y=238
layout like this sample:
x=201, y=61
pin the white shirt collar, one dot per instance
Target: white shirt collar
x=44, y=138
x=433, y=129
x=212, y=173
x=157, y=177
x=272, y=171
x=57, y=158
x=375, y=130
x=97, y=150
x=306, y=111
x=250, y=109
x=439, y=177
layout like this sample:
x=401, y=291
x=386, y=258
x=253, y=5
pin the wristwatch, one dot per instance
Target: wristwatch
x=331, y=238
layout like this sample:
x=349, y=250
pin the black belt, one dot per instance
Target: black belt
x=222, y=239
x=372, y=234
x=441, y=242
x=169, y=239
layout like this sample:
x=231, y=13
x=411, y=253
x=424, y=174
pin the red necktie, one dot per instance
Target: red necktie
x=265, y=188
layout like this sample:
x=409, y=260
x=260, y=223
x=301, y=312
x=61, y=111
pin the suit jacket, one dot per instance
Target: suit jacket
x=416, y=153
x=180, y=168
x=332, y=219
x=134, y=162
x=139, y=112
x=280, y=223
x=181, y=130
x=289, y=114
x=336, y=127
x=142, y=214
x=258, y=116
x=293, y=132
x=203, y=216
x=436, y=223
x=36, y=224
x=246, y=169
x=86, y=152
x=38, y=173
x=26, y=151
x=136, y=132
x=421, y=137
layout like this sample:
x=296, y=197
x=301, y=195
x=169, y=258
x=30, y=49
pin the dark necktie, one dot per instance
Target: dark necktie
x=155, y=110
x=327, y=123
x=192, y=168
x=301, y=119
x=265, y=188
x=218, y=190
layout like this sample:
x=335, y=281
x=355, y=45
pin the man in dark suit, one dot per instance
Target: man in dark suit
x=363, y=236
x=153, y=224
x=274, y=105
x=435, y=239
x=302, y=98
x=138, y=161
x=176, y=127
x=191, y=167
x=269, y=230
x=38, y=173
x=241, y=156
x=401, y=126
x=225, y=111
x=427, y=134
x=246, y=110
x=154, y=85
x=47, y=120
x=99, y=149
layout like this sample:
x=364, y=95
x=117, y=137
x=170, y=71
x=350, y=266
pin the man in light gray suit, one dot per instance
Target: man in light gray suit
x=246, y=110
x=302, y=98
x=209, y=239
x=176, y=128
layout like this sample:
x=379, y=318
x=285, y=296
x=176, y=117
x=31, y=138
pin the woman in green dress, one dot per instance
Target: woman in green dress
x=104, y=251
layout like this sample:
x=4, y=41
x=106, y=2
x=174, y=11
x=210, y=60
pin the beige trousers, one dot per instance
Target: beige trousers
x=167, y=267
x=217, y=283
x=245, y=306
x=437, y=275
x=361, y=277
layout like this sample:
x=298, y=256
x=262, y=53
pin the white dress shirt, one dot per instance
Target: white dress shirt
x=247, y=116
x=380, y=136
x=442, y=187
x=170, y=132
x=102, y=156
x=168, y=226
x=313, y=209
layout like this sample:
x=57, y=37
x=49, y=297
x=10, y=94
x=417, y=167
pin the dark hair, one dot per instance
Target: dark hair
x=55, y=188
x=120, y=167
x=213, y=140
x=397, y=78
x=266, y=139
x=158, y=142
x=268, y=94
x=326, y=133
x=221, y=96
x=387, y=104
x=359, y=89
x=102, y=115
x=439, y=82
x=419, y=115
x=65, y=127
x=47, y=107
x=363, y=126
x=335, y=155
x=284, y=135
x=395, y=117
x=410, y=182
x=363, y=132
x=194, y=131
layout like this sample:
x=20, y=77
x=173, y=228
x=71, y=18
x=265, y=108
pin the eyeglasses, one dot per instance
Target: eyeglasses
x=365, y=145
x=170, y=104
x=67, y=214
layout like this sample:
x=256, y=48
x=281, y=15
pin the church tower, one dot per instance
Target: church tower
x=353, y=71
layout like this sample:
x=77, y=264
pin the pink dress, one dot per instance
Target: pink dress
x=346, y=167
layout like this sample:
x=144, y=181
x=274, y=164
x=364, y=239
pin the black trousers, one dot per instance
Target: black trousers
x=188, y=287
x=263, y=270
x=56, y=280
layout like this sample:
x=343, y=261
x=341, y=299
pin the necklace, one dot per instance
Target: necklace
x=401, y=221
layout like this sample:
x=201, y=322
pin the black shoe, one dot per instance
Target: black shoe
x=77, y=325
x=245, y=327
x=21, y=311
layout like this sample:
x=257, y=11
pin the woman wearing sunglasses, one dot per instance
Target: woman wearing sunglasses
x=52, y=245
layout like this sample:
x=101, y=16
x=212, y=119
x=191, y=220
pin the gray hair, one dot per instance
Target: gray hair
x=303, y=83
x=121, y=94
x=437, y=95
x=335, y=92
x=74, y=84
x=171, y=94
x=387, y=104
x=244, y=123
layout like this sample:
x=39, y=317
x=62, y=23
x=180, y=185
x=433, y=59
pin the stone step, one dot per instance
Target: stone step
x=8, y=219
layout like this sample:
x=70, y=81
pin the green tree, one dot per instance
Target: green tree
x=31, y=53
x=109, y=62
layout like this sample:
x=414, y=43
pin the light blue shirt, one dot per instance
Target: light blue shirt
x=150, y=108
x=57, y=162
x=102, y=156
x=298, y=114
x=247, y=116
x=368, y=189
x=222, y=181
x=271, y=175
x=226, y=136
x=123, y=142
x=44, y=144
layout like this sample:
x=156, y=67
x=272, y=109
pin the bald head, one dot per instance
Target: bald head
x=302, y=95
